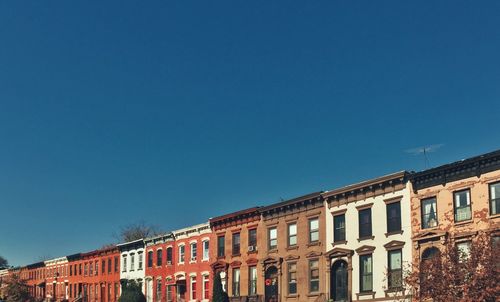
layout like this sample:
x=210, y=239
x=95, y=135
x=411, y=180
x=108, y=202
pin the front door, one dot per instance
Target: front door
x=271, y=285
x=338, y=281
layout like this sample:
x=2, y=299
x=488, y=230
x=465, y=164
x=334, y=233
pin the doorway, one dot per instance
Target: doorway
x=338, y=281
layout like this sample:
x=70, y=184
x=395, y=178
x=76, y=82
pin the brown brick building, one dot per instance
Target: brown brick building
x=293, y=234
x=236, y=253
x=455, y=201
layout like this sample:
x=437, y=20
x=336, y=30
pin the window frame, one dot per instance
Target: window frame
x=221, y=246
x=310, y=276
x=362, y=274
x=252, y=283
x=269, y=239
x=427, y=225
x=182, y=254
x=395, y=219
x=336, y=230
x=290, y=279
x=236, y=282
x=391, y=271
x=365, y=229
x=491, y=200
x=236, y=244
x=290, y=235
x=313, y=231
x=468, y=206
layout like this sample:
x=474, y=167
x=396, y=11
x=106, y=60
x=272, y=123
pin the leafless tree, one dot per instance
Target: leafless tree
x=135, y=231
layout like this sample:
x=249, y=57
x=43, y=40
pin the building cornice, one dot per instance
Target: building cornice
x=370, y=188
x=474, y=166
x=236, y=218
x=295, y=205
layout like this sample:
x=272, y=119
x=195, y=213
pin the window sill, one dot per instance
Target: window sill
x=316, y=243
x=370, y=293
x=293, y=296
x=273, y=250
x=293, y=247
x=314, y=294
x=221, y=257
x=462, y=223
x=393, y=290
x=366, y=238
x=335, y=243
x=236, y=255
x=252, y=252
x=494, y=216
x=400, y=232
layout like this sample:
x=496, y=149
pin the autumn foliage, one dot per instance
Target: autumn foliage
x=455, y=275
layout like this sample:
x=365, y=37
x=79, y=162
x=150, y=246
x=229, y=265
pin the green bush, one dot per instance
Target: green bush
x=131, y=292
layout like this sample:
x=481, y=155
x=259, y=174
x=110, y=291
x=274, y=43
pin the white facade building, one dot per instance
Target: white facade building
x=368, y=239
x=133, y=262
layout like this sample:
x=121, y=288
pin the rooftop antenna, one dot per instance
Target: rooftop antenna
x=424, y=150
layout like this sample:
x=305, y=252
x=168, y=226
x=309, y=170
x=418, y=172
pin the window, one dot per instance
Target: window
x=158, y=289
x=150, y=258
x=313, y=276
x=206, y=287
x=194, y=251
x=292, y=278
x=116, y=264
x=220, y=246
x=206, y=250
x=365, y=223
x=109, y=291
x=132, y=262
x=429, y=253
x=169, y=255
x=71, y=270
x=292, y=234
x=103, y=265
x=236, y=243
x=462, y=205
x=181, y=253
x=463, y=249
x=85, y=271
x=313, y=230
x=236, y=282
x=252, y=239
x=91, y=269
x=429, y=213
x=139, y=260
x=365, y=273
x=169, y=292
x=252, y=280
x=273, y=238
x=393, y=217
x=495, y=198
x=109, y=266
x=339, y=228
x=117, y=291
x=193, y=288
x=395, y=272
x=159, y=257
x=96, y=264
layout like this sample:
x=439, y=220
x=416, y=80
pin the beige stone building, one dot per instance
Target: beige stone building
x=455, y=201
x=368, y=239
x=292, y=249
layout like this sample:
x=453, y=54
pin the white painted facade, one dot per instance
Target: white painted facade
x=377, y=244
x=133, y=262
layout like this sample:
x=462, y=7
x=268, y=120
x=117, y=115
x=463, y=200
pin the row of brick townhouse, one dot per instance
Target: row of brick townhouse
x=345, y=244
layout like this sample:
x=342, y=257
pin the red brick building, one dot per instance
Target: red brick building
x=191, y=256
x=160, y=268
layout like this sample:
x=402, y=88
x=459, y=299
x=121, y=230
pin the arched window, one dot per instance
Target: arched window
x=159, y=257
x=150, y=258
x=430, y=253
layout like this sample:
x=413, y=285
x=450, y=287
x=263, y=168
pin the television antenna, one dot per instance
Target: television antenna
x=424, y=150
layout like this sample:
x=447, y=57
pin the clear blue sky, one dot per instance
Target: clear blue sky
x=113, y=112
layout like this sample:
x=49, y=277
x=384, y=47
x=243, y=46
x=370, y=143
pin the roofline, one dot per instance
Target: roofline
x=130, y=242
x=366, y=183
x=234, y=215
x=291, y=201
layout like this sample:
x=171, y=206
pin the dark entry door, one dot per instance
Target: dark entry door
x=338, y=279
x=271, y=284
